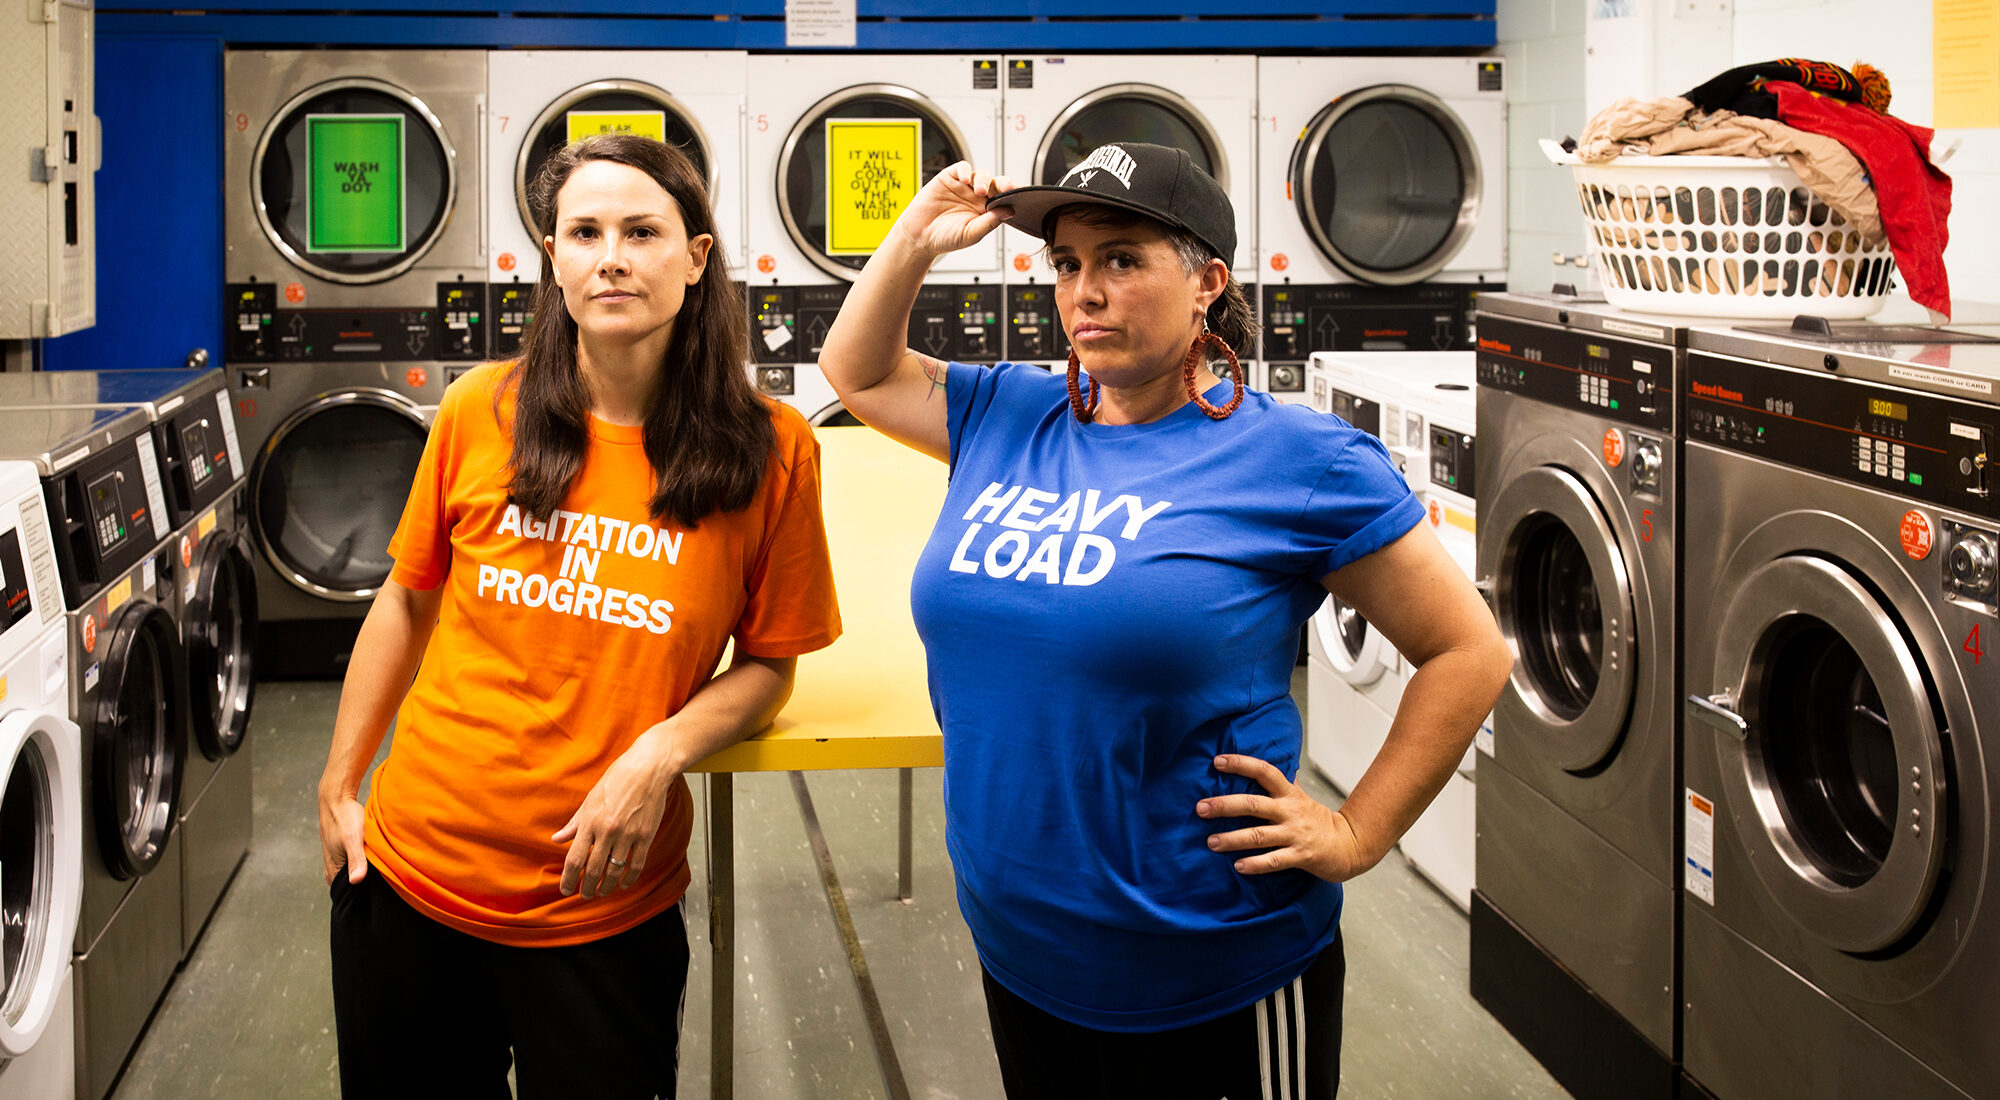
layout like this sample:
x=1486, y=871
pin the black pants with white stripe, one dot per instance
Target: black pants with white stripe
x=1284, y=1047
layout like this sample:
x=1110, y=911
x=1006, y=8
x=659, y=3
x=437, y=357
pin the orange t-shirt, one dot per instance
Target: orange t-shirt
x=558, y=642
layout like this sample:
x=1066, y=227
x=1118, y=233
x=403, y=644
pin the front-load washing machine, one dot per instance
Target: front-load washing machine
x=1574, y=915
x=540, y=100
x=127, y=694
x=332, y=449
x=212, y=595
x=1432, y=437
x=1354, y=677
x=837, y=144
x=1840, y=932
x=1058, y=109
x=41, y=803
x=1382, y=208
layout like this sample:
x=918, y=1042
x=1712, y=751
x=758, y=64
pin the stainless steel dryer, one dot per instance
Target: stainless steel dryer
x=1573, y=912
x=332, y=449
x=212, y=595
x=1840, y=929
x=127, y=693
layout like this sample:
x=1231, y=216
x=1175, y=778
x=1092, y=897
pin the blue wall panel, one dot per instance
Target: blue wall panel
x=159, y=208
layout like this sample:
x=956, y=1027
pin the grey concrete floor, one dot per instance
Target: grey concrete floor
x=251, y=1013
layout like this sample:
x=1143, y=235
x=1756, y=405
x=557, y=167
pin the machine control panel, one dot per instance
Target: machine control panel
x=1619, y=380
x=1300, y=319
x=1917, y=445
x=1452, y=462
x=788, y=324
x=1357, y=411
x=1034, y=330
x=510, y=307
x=958, y=323
x=461, y=314
x=19, y=601
x=453, y=327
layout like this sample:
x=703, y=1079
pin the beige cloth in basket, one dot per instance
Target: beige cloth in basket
x=1671, y=125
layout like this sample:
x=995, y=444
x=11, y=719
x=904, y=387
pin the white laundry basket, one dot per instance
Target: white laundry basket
x=1724, y=237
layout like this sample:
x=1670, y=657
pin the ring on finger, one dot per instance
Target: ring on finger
x=616, y=862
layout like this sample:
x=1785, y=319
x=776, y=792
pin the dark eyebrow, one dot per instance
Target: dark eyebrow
x=1115, y=242
x=586, y=219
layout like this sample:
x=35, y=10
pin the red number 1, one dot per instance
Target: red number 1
x=1972, y=644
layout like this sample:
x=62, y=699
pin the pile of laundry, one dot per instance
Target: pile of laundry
x=1832, y=126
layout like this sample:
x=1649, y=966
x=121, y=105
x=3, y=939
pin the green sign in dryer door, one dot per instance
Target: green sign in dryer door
x=354, y=192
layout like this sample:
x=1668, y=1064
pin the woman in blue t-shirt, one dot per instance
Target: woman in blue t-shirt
x=1110, y=604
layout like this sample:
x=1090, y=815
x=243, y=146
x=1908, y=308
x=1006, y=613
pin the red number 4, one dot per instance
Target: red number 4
x=1972, y=644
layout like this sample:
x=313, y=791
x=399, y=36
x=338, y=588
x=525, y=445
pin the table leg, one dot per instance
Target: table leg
x=721, y=937
x=903, y=799
x=850, y=941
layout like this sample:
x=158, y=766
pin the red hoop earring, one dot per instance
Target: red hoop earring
x=1193, y=363
x=1083, y=412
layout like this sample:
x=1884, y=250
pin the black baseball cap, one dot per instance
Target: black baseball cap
x=1159, y=181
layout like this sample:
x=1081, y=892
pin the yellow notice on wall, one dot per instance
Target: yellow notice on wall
x=583, y=124
x=1965, y=64
x=871, y=174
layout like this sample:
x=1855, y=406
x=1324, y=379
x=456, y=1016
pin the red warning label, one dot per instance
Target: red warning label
x=506, y=261
x=295, y=293
x=187, y=551
x=1021, y=261
x=416, y=377
x=1916, y=534
x=1614, y=448
x=89, y=633
x=1280, y=261
x=766, y=264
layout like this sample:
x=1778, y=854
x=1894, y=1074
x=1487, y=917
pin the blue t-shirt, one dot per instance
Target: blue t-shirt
x=1106, y=608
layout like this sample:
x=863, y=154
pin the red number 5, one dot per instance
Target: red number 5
x=1646, y=525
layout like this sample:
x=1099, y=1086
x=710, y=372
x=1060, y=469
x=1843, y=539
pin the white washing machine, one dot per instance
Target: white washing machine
x=1059, y=108
x=41, y=803
x=1354, y=677
x=836, y=145
x=1382, y=209
x=1439, y=431
x=540, y=100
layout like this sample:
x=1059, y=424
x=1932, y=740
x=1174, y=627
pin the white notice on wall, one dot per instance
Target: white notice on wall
x=819, y=23
x=1700, y=869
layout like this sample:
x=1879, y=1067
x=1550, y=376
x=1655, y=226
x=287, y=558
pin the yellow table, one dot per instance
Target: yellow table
x=860, y=703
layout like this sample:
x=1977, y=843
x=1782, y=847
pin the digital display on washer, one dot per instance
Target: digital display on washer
x=14, y=575
x=1912, y=444
x=354, y=186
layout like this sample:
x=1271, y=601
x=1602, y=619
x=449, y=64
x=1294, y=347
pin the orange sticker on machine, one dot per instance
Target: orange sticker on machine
x=187, y=551
x=295, y=293
x=505, y=262
x=1614, y=448
x=205, y=524
x=1280, y=261
x=767, y=264
x=89, y=632
x=1916, y=534
x=1022, y=262
x=416, y=377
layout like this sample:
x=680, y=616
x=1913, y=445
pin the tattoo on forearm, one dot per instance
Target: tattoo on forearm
x=934, y=370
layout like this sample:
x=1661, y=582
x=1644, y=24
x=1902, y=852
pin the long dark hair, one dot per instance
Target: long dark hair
x=707, y=433
x=1230, y=316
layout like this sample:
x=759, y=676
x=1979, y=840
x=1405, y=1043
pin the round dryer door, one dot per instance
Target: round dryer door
x=836, y=416
x=1387, y=183
x=834, y=245
x=1356, y=650
x=1128, y=112
x=138, y=732
x=329, y=489
x=221, y=625
x=41, y=850
x=1839, y=781
x=354, y=180
x=1563, y=598
x=598, y=107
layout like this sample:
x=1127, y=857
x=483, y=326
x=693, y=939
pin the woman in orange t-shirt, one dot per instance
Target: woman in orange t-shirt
x=590, y=528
